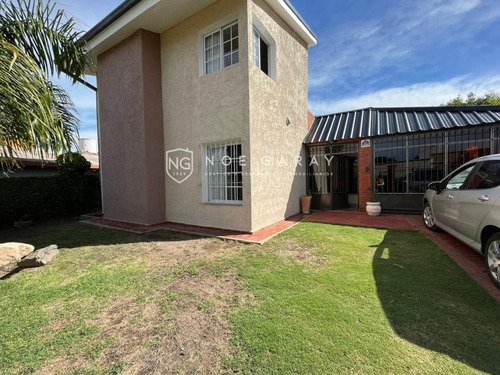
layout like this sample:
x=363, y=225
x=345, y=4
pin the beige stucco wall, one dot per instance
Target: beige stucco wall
x=204, y=109
x=131, y=130
x=276, y=189
x=152, y=99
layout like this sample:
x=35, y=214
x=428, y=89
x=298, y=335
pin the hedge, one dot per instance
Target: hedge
x=42, y=198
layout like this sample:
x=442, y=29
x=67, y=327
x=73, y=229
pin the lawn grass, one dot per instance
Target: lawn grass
x=316, y=299
x=365, y=301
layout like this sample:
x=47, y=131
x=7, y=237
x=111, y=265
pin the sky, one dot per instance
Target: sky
x=371, y=53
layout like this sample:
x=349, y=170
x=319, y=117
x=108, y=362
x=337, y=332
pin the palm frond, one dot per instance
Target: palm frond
x=35, y=116
x=47, y=34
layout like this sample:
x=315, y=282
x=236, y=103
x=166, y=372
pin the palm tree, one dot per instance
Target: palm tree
x=37, y=41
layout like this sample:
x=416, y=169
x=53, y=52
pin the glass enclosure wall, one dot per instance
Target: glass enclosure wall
x=407, y=164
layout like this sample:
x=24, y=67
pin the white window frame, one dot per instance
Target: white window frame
x=256, y=47
x=217, y=174
x=219, y=29
x=231, y=51
x=259, y=28
x=212, y=49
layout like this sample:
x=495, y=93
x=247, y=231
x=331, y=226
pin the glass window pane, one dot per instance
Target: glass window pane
x=208, y=41
x=226, y=34
x=227, y=60
x=236, y=57
x=227, y=47
x=235, y=30
x=487, y=176
x=216, y=37
x=456, y=182
x=256, y=61
x=235, y=44
x=216, y=64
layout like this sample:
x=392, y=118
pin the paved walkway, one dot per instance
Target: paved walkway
x=258, y=237
x=361, y=219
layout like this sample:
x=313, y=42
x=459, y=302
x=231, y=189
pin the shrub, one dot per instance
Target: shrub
x=42, y=198
x=72, y=163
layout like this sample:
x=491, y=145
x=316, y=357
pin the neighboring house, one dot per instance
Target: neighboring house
x=223, y=80
x=399, y=151
x=32, y=164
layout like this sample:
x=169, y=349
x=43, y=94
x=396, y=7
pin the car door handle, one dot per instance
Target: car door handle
x=484, y=198
x=450, y=196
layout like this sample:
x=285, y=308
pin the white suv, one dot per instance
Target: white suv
x=466, y=204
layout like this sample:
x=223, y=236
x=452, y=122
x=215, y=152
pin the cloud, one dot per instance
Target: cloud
x=455, y=7
x=420, y=94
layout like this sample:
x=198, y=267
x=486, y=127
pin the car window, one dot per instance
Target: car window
x=487, y=176
x=458, y=179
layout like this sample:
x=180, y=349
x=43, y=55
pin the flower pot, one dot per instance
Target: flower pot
x=373, y=208
x=305, y=202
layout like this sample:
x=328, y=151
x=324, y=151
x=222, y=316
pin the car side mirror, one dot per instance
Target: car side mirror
x=436, y=186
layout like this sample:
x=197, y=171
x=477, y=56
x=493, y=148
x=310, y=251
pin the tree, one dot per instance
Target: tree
x=490, y=98
x=37, y=41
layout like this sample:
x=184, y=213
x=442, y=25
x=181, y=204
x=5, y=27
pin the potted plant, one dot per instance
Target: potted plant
x=373, y=206
x=305, y=202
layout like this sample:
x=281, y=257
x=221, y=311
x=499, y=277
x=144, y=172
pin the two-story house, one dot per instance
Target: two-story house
x=202, y=108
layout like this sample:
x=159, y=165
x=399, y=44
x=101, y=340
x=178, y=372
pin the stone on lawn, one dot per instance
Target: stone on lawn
x=14, y=252
x=39, y=257
x=10, y=254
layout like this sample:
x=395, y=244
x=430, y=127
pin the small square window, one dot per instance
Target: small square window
x=220, y=55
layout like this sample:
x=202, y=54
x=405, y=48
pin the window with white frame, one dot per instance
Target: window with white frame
x=221, y=48
x=223, y=179
x=260, y=51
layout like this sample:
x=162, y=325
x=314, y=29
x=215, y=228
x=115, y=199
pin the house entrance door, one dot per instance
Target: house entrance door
x=333, y=176
x=343, y=182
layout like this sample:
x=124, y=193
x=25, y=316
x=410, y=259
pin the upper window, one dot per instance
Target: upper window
x=487, y=176
x=263, y=49
x=260, y=52
x=221, y=48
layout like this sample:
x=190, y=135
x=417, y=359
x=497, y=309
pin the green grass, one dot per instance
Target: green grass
x=75, y=288
x=324, y=299
x=380, y=302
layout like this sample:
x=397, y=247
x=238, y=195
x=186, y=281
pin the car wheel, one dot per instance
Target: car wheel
x=492, y=258
x=428, y=217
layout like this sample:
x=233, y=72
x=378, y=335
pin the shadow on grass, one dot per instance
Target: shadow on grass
x=72, y=234
x=431, y=302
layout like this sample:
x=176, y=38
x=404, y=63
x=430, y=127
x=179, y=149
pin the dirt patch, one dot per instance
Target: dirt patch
x=206, y=249
x=185, y=329
x=178, y=324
